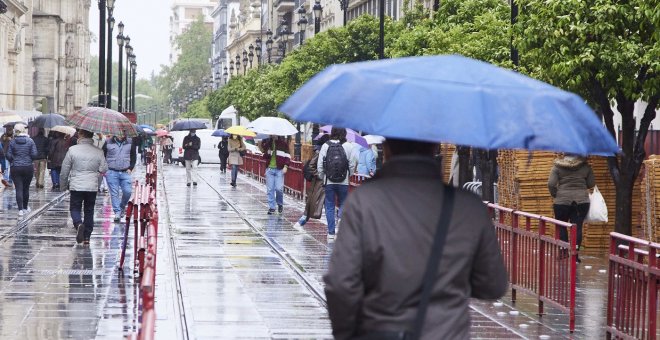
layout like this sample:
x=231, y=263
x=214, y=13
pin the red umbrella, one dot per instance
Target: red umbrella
x=102, y=120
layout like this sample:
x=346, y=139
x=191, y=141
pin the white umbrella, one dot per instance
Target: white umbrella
x=374, y=139
x=67, y=130
x=273, y=126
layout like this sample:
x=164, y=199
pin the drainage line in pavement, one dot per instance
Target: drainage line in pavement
x=22, y=224
x=177, y=277
x=292, y=264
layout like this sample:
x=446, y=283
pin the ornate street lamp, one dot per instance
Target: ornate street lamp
x=302, y=24
x=225, y=75
x=269, y=43
x=238, y=64
x=257, y=50
x=251, y=54
x=231, y=67
x=133, y=71
x=318, y=11
x=245, y=61
x=102, y=35
x=284, y=37
x=120, y=42
x=129, y=51
x=217, y=79
x=110, y=4
x=344, y=7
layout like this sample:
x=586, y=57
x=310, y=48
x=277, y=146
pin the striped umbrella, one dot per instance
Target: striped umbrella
x=102, y=120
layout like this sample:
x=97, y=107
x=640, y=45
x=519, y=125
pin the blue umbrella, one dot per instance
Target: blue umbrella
x=219, y=133
x=147, y=126
x=47, y=121
x=188, y=125
x=451, y=99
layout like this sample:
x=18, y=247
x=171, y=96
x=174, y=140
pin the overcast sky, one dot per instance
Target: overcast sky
x=147, y=23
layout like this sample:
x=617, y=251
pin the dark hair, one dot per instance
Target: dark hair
x=409, y=147
x=85, y=134
x=322, y=140
x=339, y=134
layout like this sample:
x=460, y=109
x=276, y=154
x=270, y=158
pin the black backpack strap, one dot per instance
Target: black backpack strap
x=433, y=261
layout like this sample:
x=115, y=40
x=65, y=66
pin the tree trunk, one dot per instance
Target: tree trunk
x=488, y=165
x=623, y=215
x=464, y=171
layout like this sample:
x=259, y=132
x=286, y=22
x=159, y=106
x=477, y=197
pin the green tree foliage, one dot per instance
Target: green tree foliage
x=187, y=74
x=198, y=109
x=609, y=52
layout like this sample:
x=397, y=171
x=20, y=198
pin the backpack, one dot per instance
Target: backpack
x=335, y=163
x=307, y=171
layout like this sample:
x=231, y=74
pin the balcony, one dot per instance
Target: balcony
x=284, y=6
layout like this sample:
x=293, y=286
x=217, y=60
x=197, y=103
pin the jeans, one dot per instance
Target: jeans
x=55, y=176
x=275, y=186
x=83, y=201
x=121, y=188
x=7, y=174
x=332, y=192
x=22, y=177
x=40, y=166
x=191, y=171
x=574, y=213
x=234, y=172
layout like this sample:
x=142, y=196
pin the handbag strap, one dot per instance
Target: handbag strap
x=433, y=261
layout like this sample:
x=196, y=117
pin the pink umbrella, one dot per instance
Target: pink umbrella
x=351, y=136
x=161, y=133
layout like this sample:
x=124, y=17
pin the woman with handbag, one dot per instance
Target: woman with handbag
x=237, y=149
x=570, y=179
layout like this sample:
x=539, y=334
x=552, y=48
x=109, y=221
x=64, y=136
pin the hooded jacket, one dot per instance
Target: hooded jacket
x=58, y=149
x=22, y=151
x=82, y=165
x=41, y=142
x=569, y=180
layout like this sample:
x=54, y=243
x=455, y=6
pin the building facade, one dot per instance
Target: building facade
x=184, y=12
x=44, y=52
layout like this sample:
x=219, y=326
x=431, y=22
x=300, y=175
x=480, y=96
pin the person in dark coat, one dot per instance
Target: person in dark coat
x=4, y=141
x=223, y=153
x=40, y=162
x=315, y=192
x=58, y=147
x=191, y=145
x=570, y=179
x=21, y=154
x=378, y=262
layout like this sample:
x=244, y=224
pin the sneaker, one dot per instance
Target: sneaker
x=233, y=184
x=271, y=211
x=195, y=183
x=21, y=212
x=297, y=226
x=188, y=184
x=331, y=236
x=117, y=218
x=80, y=234
x=86, y=241
x=28, y=210
x=280, y=208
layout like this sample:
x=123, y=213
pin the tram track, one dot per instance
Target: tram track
x=23, y=223
x=290, y=263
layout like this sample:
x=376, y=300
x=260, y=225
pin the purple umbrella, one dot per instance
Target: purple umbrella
x=351, y=135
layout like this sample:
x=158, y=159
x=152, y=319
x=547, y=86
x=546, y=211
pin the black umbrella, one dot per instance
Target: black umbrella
x=47, y=121
x=188, y=125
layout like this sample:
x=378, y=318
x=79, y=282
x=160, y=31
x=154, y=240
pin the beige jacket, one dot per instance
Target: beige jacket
x=569, y=180
x=234, y=147
x=375, y=276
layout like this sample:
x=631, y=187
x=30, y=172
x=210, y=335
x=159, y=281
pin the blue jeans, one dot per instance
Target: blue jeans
x=234, y=173
x=55, y=176
x=332, y=191
x=7, y=173
x=120, y=185
x=275, y=185
x=83, y=201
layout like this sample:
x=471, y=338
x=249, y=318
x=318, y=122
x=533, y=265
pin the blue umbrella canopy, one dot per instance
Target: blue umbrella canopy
x=188, y=125
x=48, y=120
x=451, y=99
x=219, y=133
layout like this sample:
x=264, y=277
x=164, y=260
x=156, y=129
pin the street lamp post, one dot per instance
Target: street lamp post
x=134, y=71
x=218, y=81
x=257, y=50
x=238, y=64
x=120, y=42
x=269, y=43
x=231, y=67
x=284, y=37
x=344, y=7
x=245, y=61
x=318, y=11
x=251, y=54
x=302, y=24
x=129, y=51
x=108, y=73
x=102, y=19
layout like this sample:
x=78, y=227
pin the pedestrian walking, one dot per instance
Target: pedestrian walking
x=223, y=153
x=120, y=154
x=315, y=192
x=375, y=285
x=570, y=179
x=58, y=147
x=276, y=152
x=145, y=145
x=80, y=175
x=98, y=140
x=166, y=144
x=21, y=153
x=41, y=161
x=366, y=162
x=236, y=148
x=5, y=139
x=3, y=166
x=191, y=145
x=337, y=162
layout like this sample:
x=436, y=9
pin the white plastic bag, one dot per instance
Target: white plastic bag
x=597, y=208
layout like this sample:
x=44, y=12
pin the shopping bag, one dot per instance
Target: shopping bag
x=597, y=208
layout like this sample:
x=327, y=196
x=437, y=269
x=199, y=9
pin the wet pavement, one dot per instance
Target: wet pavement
x=225, y=270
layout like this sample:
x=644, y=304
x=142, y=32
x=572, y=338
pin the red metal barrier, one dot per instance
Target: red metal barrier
x=539, y=264
x=632, y=290
x=294, y=181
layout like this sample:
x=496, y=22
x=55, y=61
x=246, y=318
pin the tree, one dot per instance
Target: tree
x=192, y=66
x=608, y=52
x=198, y=109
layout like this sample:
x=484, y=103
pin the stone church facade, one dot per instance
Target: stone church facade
x=44, y=51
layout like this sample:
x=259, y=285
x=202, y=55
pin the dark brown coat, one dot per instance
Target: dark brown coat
x=57, y=150
x=569, y=180
x=315, y=192
x=377, y=264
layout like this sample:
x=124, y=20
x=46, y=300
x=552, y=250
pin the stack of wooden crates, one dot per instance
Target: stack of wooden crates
x=650, y=200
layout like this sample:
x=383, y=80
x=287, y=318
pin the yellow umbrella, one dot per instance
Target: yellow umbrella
x=240, y=130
